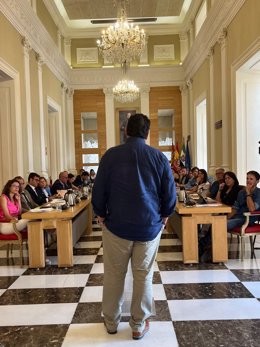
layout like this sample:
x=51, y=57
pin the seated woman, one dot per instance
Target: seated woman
x=10, y=208
x=203, y=185
x=228, y=190
x=92, y=175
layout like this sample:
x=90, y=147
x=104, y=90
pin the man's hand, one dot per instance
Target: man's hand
x=101, y=220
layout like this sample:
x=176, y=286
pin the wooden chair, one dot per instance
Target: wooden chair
x=18, y=237
x=244, y=231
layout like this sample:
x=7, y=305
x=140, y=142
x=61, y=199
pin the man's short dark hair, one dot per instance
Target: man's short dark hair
x=254, y=173
x=32, y=175
x=138, y=126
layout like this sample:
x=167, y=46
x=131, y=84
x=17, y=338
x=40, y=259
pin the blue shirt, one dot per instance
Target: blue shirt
x=241, y=206
x=134, y=188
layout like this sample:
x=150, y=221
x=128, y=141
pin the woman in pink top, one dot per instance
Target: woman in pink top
x=10, y=208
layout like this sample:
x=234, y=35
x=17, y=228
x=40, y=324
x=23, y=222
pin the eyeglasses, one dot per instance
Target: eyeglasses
x=15, y=186
x=36, y=179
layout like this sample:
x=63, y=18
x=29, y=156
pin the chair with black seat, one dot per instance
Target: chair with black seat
x=17, y=237
x=247, y=230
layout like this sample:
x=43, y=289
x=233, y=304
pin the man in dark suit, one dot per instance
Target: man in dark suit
x=32, y=188
x=60, y=183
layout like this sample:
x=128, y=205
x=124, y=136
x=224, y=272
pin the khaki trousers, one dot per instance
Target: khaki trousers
x=117, y=253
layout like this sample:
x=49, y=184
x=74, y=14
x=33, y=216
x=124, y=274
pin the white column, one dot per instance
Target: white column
x=145, y=105
x=185, y=111
x=59, y=40
x=28, y=107
x=225, y=146
x=191, y=118
x=110, y=117
x=212, y=163
x=144, y=55
x=67, y=50
x=191, y=35
x=183, y=45
x=41, y=116
x=71, y=133
x=34, y=6
x=63, y=125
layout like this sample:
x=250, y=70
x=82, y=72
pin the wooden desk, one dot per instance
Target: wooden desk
x=184, y=222
x=66, y=224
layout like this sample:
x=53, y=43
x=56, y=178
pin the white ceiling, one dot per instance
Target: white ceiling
x=73, y=17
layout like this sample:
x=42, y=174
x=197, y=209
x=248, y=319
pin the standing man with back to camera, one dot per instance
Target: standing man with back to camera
x=133, y=195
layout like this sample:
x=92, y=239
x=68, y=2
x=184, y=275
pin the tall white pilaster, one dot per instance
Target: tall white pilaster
x=110, y=117
x=71, y=133
x=144, y=95
x=59, y=40
x=67, y=50
x=41, y=116
x=28, y=107
x=191, y=118
x=183, y=45
x=63, y=126
x=34, y=6
x=185, y=111
x=212, y=163
x=223, y=44
x=191, y=31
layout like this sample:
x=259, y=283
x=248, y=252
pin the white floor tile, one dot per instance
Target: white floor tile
x=161, y=334
x=198, y=276
x=92, y=294
x=214, y=309
x=243, y=264
x=96, y=233
x=158, y=292
x=37, y=314
x=169, y=256
x=84, y=259
x=88, y=244
x=100, y=252
x=12, y=270
x=50, y=281
x=155, y=266
x=253, y=287
x=2, y=291
x=97, y=268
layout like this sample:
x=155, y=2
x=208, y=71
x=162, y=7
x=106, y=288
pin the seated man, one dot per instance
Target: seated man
x=183, y=177
x=26, y=199
x=60, y=183
x=82, y=179
x=193, y=180
x=32, y=189
x=248, y=199
x=215, y=185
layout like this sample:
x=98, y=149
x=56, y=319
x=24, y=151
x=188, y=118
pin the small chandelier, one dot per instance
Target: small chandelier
x=126, y=91
x=121, y=42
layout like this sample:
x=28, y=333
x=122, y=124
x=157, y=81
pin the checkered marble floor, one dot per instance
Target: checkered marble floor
x=195, y=305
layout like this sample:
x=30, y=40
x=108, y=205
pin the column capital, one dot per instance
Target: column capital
x=210, y=52
x=70, y=92
x=26, y=45
x=145, y=90
x=67, y=41
x=64, y=87
x=222, y=37
x=39, y=59
x=183, y=88
x=183, y=36
x=189, y=83
x=108, y=92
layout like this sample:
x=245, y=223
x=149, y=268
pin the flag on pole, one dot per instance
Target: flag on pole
x=187, y=155
x=175, y=161
x=183, y=154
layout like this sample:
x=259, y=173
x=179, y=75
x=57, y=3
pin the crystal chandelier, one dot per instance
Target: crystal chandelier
x=126, y=91
x=121, y=42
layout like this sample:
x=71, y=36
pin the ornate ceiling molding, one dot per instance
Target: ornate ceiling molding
x=152, y=76
x=21, y=15
x=219, y=17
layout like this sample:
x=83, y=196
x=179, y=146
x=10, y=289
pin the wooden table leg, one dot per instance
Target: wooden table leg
x=64, y=243
x=219, y=239
x=190, y=240
x=36, y=245
x=90, y=214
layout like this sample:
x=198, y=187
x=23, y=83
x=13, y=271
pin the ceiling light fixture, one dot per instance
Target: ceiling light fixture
x=121, y=42
x=126, y=91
